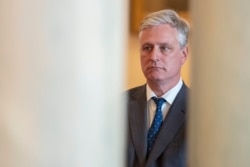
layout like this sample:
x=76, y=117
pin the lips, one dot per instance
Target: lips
x=155, y=68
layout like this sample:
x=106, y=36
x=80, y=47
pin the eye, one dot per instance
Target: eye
x=147, y=48
x=165, y=49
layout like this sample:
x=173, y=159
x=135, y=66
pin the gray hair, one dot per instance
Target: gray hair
x=170, y=17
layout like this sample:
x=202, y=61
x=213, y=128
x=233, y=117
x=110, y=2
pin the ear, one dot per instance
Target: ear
x=184, y=53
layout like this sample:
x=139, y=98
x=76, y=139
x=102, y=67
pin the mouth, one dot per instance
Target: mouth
x=155, y=68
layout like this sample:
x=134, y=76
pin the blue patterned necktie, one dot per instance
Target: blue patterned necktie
x=156, y=124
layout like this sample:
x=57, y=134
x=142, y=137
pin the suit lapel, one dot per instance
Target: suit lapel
x=138, y=123
x=171, y=125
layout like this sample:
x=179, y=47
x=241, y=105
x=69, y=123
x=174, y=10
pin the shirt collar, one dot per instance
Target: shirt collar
x=169, y=96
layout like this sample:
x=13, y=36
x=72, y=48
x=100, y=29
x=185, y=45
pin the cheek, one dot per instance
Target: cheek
x=143, y=60
x=174, y=63
x=179, y=59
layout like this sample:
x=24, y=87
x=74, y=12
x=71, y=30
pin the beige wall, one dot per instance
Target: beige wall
x=219, y=117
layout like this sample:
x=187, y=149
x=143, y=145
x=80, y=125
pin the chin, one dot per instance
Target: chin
x=154, y=78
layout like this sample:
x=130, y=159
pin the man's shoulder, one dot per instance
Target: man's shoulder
x=135, y=92
x=136, y=89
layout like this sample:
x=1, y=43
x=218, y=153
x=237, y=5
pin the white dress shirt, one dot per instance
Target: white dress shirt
x=168, y=96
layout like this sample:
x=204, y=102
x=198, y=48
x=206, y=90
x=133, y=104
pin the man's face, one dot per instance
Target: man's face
x=161, y=54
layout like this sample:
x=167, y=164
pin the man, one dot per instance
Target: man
x=157, y=110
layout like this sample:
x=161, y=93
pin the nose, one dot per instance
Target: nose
x=154, y=54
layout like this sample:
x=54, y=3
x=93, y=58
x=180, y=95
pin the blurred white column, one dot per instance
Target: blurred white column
x=61, y=77
x=219, y=123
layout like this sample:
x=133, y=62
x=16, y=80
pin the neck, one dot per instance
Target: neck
x=160, y=88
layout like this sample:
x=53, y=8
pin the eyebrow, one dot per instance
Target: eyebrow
x=164, y=44
x=160, y=43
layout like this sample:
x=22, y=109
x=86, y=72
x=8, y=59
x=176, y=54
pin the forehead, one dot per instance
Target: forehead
x=163, y=33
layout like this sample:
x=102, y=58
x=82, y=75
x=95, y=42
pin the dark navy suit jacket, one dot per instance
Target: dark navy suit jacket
x=169, y=149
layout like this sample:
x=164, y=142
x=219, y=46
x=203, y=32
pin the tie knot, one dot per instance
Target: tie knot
x=158, y=101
